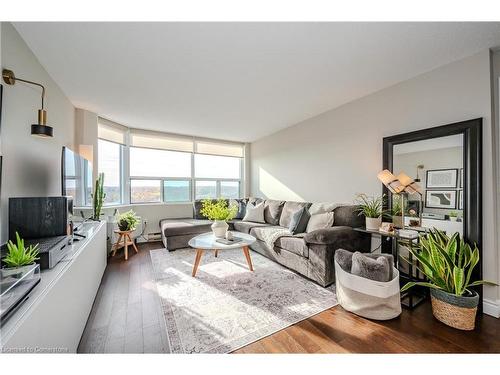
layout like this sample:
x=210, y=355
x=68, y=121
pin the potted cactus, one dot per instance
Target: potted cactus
x=98, y=197
x=19, y=259
x=448, y=264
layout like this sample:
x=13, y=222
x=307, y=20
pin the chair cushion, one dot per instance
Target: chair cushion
x=177, y=227
x=272, y=211
x=246, y=226
x=288, y=210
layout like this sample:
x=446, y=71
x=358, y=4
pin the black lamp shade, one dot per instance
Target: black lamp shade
x=42, y=130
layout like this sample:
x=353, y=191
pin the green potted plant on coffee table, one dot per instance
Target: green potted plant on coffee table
x=19, y=259
x=448, y=263
x=372, y=209
x=220, y=212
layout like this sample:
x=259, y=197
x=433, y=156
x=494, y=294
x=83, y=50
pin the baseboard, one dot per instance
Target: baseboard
x=491, y=307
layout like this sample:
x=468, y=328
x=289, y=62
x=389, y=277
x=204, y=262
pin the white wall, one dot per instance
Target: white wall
x=31, y=165
x=333, y=156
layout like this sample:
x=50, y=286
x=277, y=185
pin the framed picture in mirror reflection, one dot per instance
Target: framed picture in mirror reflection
x=446, y=199
x=441, y=178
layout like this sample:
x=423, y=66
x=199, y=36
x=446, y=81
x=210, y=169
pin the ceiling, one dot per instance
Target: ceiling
x=239, y=81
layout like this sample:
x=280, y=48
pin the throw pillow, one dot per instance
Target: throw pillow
x=242, y=207
x=320, y=221
x=299, y=221
x=374, y=269
x=255, y=213
x=320, y=208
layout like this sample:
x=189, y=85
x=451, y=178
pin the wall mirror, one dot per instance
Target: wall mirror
x=446, y=162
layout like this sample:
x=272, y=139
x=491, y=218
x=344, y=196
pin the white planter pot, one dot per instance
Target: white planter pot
x=373, y=223
x=17, y=272
x=219, y=227
x=453, y=218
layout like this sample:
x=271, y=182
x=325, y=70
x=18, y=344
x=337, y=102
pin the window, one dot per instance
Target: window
x=145, y=191
x=206, y=189
x=176, y=191
x=230, y=189
x=110, y=164
x=145, y=162
x=211, y=166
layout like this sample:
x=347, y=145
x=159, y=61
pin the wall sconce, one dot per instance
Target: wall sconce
x=41, y=129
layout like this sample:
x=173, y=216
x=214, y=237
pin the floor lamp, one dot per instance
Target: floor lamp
x=401, y=185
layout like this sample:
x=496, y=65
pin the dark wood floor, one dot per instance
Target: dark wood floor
x=126, y=317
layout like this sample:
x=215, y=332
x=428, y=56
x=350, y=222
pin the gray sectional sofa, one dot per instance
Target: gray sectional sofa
x=310, y=254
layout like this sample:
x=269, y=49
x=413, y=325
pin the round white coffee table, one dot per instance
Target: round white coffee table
x=207, y=241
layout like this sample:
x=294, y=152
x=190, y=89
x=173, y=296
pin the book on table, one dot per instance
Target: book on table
x=228, y=242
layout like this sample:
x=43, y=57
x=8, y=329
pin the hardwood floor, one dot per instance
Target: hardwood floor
x=126, y=317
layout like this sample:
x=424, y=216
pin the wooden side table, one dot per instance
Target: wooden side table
x=124, y=240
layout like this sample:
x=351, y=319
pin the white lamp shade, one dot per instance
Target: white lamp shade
x=410, y=186
x=390, y=181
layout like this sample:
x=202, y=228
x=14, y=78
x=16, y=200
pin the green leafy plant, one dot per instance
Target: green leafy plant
x=371, y=207
x=98, y=197
x=128, y=221
x=18, y=255
x=447, y=262
x=218, y=209
x=397, y=208
x=453, y=214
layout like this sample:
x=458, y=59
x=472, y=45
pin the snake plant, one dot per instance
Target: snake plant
x=447, y=262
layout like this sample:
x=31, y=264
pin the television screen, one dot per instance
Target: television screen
x=76, y=178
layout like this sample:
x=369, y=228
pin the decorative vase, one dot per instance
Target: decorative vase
x=455, y=311
x=453, y=218
x=219, y=227
x=373, y=223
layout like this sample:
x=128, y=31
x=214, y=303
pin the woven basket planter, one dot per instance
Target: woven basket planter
x=454, y=311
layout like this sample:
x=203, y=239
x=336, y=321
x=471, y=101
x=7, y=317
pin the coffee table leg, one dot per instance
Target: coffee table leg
x=199, y=254
x=216, y=252
x=247, y=255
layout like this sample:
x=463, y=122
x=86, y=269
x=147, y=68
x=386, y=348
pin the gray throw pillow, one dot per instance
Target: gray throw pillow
x=242, y=207
x=298, y=223
x=344, y=259
x=374, y=269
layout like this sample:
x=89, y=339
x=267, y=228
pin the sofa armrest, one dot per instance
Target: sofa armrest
x=328, y=236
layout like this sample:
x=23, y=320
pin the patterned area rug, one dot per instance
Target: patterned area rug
x=226, y=307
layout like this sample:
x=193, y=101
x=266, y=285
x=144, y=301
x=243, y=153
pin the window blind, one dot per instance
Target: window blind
x=219, y=148
x=162, y=141
x=110, y=131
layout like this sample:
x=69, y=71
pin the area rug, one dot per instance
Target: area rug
x=226, y=306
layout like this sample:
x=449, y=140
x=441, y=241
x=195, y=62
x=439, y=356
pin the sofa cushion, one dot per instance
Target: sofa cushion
x=320, y=221
x=259, y=232
x=348, y=216
x=294, y=244
x=299, y=221
x=255, y=213
x=322, y=207
x=177, y=227
x=246, y=226
x=289, y=209
x=242, y=207
x=272, y=211
x=254, y=201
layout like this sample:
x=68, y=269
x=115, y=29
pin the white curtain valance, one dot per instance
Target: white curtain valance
x=111, y=131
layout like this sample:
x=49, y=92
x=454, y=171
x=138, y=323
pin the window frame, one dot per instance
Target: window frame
x=121, y=169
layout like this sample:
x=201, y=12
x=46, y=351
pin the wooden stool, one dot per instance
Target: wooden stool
x=125, y=236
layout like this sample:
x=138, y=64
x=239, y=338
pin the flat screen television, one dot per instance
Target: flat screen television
x=76, y=177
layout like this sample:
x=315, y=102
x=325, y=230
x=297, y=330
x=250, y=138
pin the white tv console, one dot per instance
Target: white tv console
x=53, y=318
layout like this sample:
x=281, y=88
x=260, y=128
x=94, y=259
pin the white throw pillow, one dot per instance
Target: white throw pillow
x=255, y=213
x=320, y=221
x=319, y=208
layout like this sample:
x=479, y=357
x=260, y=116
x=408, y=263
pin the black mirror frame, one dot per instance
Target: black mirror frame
x=472, y=162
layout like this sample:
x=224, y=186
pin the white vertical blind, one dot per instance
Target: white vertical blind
x=111, y=131
x=162, y=141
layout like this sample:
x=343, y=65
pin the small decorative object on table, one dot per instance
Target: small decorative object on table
x=453, y=215
x=127, y=223
x=371, y=208
x=220, y=212
x=229, y=236
x=386, y=228
x=448, y=264
x=19, y=259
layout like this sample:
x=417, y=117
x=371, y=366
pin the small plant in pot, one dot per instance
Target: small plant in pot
x=128, y=221
x=19, y=259
x=397, y=211
x=448, y=263
x=453, y=215
x=220, y=212
x=372, y=209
